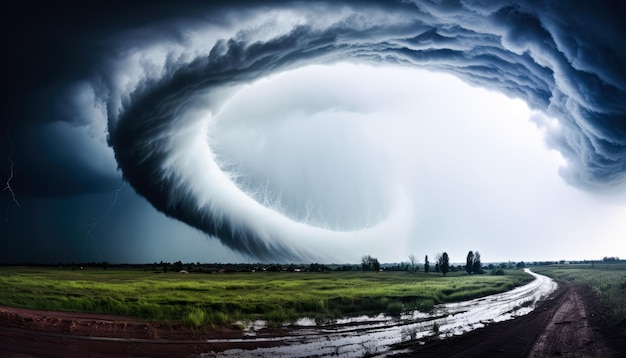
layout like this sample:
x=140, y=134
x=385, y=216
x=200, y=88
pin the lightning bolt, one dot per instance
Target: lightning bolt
x=8, y=186
x=309, y=211
x=269, y=198
x=91, y=226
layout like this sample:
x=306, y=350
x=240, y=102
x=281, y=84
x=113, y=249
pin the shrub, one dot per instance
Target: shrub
x=219, y=318
x=275, y=319
x=395, y=309
x=278, y=317
x=195, y=317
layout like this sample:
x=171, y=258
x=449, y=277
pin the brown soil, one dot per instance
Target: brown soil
x=570, y=324
x=37, y=333
x=567, y=325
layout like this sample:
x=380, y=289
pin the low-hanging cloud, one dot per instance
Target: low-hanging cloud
x=169, y=77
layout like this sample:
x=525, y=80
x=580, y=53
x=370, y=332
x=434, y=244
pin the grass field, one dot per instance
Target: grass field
x=218, y=299
x=607, y=281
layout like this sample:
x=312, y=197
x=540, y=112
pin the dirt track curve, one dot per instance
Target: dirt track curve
x=568, y=334
x=559, y=327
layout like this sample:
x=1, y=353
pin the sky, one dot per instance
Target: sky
x=285, y=131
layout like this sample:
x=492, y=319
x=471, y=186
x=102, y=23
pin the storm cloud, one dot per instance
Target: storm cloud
x=152, y=84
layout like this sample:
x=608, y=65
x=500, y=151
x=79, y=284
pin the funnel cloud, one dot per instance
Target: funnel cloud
x=316, y=131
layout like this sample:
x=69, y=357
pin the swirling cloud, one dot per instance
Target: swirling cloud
x=160, y=92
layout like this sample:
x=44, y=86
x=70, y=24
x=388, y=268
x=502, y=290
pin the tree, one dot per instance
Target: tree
x=477, y=266
x=370, y=263
x=365, y=262
x=438, y=259
x=443, y=262
x=375, y=265
x=177, y=266
x=473, y=264
x=426, y=264
x=469, y=263
x=413, y=260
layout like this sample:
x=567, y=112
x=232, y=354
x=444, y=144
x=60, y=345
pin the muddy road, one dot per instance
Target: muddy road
x=363, y=336
x=547, y=323
x=569, y=324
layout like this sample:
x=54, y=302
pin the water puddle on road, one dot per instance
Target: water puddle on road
x=359, y=336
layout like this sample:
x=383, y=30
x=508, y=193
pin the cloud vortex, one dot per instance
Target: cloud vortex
x=169, y=77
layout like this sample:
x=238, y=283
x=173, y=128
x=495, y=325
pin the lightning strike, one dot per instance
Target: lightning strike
x=309, y=212
x=8, y=182
x=91, y=226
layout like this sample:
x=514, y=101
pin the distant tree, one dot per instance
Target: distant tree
x=376, y=265
x=366, y=262
x=178, y=266
x=444, y=263
x=477, y=266
x=473, y=264
x=438, y=261
x=413, y=261
x=315, y=267
x=369, y=263
x=426, y=264
x=469, y=263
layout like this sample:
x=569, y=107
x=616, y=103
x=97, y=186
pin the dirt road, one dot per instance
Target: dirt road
x=568, y=333
x=567, y=325
x=564, y=326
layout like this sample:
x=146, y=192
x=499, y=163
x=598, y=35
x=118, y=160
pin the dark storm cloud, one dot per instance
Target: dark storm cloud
x=564, y=58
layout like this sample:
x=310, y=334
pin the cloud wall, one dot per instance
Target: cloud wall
x=161, y=82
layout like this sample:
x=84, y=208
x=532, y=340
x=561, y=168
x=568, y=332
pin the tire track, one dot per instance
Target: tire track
x=568, y=333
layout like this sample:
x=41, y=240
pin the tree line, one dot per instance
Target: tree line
x=473, y=265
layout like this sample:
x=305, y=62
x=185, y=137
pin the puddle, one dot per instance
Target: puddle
x=359, y=336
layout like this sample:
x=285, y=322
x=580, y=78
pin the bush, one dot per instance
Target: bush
x=419, y=304
x=195, y=317
x=277, y=318
x=219, y=318
x=497, y=272
x=395, y=309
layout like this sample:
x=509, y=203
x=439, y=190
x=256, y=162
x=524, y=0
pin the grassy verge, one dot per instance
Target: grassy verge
x=607, y=281
x=218, y=299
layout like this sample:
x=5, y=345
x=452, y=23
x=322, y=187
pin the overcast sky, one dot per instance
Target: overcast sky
x=302, y=132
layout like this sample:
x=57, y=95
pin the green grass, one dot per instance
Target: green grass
x=607, y=281
x=219, y=299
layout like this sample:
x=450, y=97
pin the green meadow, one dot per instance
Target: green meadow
x=218, y=299
x=606, y=280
